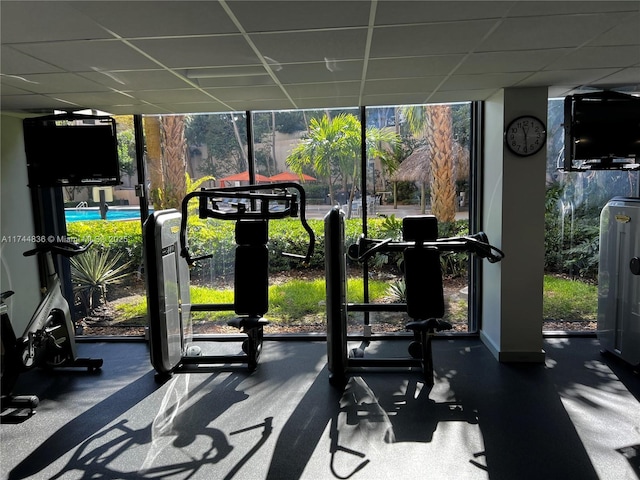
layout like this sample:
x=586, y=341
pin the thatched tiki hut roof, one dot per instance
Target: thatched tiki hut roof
x=415, y=168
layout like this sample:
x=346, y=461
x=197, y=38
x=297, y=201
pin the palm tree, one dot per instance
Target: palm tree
x=332, y=148
x=435, y=123
x=151, y=125
x=174, y=160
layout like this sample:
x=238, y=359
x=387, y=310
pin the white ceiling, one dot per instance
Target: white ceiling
x=158, y=57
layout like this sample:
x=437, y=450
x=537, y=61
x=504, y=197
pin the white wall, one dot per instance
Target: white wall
x=513, y=218
x=18, y=273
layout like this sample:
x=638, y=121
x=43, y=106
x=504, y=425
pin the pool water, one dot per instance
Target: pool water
x=114, y=213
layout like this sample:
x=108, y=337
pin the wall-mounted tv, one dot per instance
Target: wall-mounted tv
x=602, y=131
x=71, y=150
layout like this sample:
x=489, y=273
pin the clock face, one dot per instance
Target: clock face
x=525, y=135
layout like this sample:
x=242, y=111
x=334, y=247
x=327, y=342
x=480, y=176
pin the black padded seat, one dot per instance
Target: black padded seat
x=247, y=323
x=429, y=325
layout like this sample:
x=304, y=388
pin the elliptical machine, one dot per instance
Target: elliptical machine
x=48, y=341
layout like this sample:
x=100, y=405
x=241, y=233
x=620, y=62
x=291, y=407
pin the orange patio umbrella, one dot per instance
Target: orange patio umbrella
x=243, y=177
x=291, y=177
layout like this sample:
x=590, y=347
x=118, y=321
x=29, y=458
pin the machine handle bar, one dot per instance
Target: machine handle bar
x=67, y=249
x=477, y=244
x=295, y=205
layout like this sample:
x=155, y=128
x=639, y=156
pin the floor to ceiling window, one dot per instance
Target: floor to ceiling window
x=107, y=279
x=416, y=161
x=574, y=202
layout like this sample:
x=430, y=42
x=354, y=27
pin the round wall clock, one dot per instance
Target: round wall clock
x=525, y=135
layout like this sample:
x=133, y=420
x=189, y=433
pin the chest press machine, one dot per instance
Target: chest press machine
x=168, y=258
x=424, y=292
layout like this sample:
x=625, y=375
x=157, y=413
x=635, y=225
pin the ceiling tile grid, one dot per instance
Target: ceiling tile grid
x=192, y=56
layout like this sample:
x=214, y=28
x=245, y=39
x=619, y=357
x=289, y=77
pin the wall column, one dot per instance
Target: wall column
x=513, y=218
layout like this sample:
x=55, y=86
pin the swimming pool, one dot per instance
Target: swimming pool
x=93, y=213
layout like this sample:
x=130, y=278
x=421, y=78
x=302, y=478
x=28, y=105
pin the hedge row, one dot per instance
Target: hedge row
x=216, y=237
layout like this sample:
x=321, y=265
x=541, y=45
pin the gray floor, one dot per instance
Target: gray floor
x=577, y=417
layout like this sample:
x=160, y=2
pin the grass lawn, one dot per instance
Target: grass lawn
x=569, y=300
x=564, y=300
x=288, y=301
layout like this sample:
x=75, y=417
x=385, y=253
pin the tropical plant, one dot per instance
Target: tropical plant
x=435, y=122
x=173, y=160
x=127, y=153
x=151, y=125
x=398, y=291
x=332, y=146
x=93, y=271
x=221, y=140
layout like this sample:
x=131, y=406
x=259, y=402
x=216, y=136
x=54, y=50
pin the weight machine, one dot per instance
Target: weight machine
x=421, y=250
x=168, y=258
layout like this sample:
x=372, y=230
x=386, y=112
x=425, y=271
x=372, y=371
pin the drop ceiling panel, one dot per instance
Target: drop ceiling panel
x=422, y=85
x=565, y=77
x=159, y=19
x=629, y=78
x=412, y=66
x=247, y=93
x=187, y=95
x=337, y=89
x=599, y=57
x=315, y=46
x=102, y=100
x=287, y=15
x=243, y=105
x=143, y=109
x=407, y=12
x=40, y=103
x=482, y=81
x=421, y=40
x=195, y=52
x=200, y=107
x=85, y=56
x=55, y=83
x=246, y=81
x=525, y=33
x=36, y=21
x=137, y=79
x=10, y=89
x=13, y=62
x=518, y=61
x=327, y=102
x=571, y=7
x=626, y=32
x=462, y=95
x=174, y=56
x=224, y=71
x=394, y=99
x=320, y=72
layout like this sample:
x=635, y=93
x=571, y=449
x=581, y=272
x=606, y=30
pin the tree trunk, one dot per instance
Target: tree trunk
x=273, y=147
x=175, y=149
x=440, y=138
x=151, y=127
x=243, y=154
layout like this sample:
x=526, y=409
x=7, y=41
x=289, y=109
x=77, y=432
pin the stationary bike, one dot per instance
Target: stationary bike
x=49, y=339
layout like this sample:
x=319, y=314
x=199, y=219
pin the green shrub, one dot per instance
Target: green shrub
x=93, y=271
x=217, y=238
x=123, y=239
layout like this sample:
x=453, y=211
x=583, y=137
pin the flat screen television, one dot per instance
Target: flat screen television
x=72, y=150
x=602, y=131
